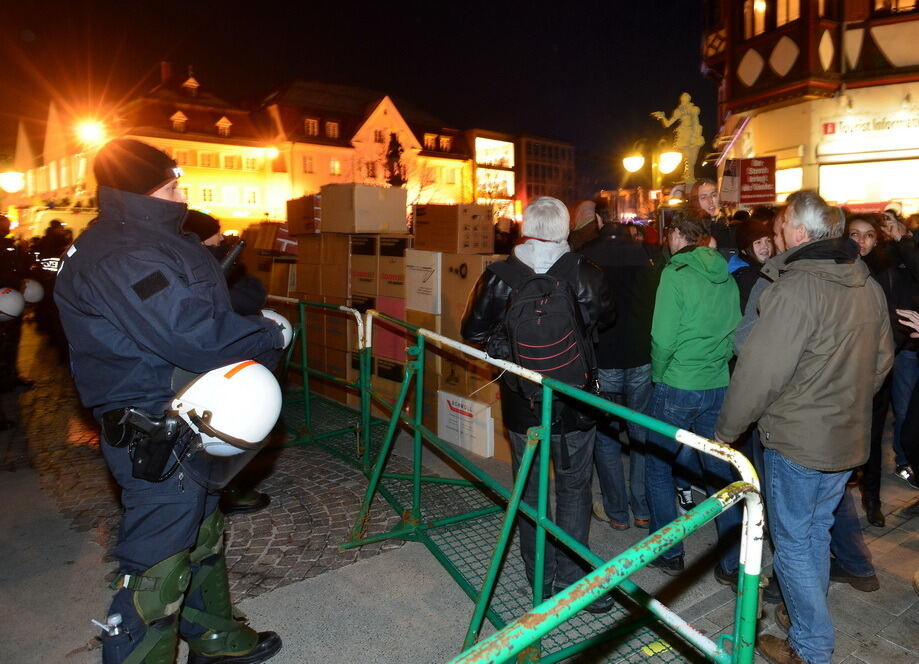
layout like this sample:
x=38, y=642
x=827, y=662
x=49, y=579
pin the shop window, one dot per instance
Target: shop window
x=894, y=6
x=787, y=11
x=754, y=18
x=331, y=129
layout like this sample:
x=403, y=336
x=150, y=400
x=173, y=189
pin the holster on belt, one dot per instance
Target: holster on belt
x=150, y=440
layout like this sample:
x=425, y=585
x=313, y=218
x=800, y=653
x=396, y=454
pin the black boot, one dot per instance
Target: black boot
x=873, y=511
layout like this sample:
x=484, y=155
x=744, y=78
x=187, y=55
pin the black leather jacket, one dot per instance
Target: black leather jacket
x=485, y=309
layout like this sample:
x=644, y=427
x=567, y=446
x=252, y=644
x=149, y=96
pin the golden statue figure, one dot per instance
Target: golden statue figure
x=687, y=136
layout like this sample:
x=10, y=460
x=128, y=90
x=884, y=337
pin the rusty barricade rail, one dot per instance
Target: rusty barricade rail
x=523, y=634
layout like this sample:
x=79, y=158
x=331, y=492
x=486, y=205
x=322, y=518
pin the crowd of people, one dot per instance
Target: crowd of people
x=786, y=332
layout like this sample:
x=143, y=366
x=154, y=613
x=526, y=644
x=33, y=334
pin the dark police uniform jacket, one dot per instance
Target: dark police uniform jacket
x=137, y=299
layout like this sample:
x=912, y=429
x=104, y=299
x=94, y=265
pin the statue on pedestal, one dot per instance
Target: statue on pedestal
x=687, y=136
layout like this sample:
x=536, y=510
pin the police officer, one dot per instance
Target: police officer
x=139, y=300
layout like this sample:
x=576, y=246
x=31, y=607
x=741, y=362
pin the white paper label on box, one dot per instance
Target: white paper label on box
x=422, y=281
x=466, y=423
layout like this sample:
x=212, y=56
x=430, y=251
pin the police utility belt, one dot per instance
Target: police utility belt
x=150, y=440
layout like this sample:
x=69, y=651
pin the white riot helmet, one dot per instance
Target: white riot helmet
x=232, y=408
x=11, y=303
x=286, y=329
x=32, y=291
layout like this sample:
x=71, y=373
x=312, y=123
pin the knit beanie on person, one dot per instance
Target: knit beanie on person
x=129, y=165
x=546, y=218
x=201, y=224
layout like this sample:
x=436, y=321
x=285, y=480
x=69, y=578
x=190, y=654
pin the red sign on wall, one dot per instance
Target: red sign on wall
x=829, y=128
x=749, y=181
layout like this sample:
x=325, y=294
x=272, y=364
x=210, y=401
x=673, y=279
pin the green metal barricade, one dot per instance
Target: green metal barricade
x=468, y=525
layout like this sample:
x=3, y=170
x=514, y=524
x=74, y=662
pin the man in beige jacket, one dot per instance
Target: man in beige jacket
x=807, y=375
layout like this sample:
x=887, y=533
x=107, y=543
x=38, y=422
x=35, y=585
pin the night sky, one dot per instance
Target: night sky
x=586, y=72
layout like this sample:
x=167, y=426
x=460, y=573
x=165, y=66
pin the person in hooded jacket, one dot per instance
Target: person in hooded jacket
x=695, y=313
x=819, y=350
x=754, y=241
x=140, y=302
x=545, y=234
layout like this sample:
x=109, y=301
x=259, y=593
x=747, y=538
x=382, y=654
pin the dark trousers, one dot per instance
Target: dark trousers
x=158, y=520
x=871, y=471
x=909, y=434
x=573, y=500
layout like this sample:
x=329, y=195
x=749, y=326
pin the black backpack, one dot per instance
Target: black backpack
x=543, y=329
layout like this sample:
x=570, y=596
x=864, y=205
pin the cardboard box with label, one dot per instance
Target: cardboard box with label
x=392, y=250
x=303, y=215
x=422, y=281
x=361, y=208
x=459, y=274
x=466, y=423
x=364, y=264
x=458, y=229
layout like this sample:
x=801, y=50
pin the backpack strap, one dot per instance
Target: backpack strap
x=512, y=271
x=564, y=265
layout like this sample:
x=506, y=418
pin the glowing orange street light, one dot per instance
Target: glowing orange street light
x=272, y=153
x=91, y=132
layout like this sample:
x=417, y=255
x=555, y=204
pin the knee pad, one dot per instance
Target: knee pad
x=210, y=537
x=158, y=594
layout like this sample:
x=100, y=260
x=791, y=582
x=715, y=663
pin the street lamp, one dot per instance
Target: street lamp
x=668, y=160
x=664, y=160
x=12, y=181
x=633, y=163
x=91, y=133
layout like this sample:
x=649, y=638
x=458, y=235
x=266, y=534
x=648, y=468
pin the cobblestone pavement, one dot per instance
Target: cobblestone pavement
x=315, y=496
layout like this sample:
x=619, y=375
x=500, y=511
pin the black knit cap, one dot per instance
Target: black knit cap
x=201, y=224
x=130, y=165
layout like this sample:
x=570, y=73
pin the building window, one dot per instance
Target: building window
x=311, y=127
x=754, y=18
x=251, y=163
x=430, y=141
x=231, y=162
x=331, y=129
x=787, y=11
x=334, y=167
x=206, y=159
x=230, y=196
x=451, y=176
x=445, y=143
x=207, y=194
x=184, y=191
x=178, y=120
x=251, y=196
x=371, y=169
x=378, y=136
x=181, y=157
x=894, y=6
x=223, y=126
x=307, y=164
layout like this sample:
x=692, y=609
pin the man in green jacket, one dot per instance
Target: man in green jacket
x=820, y=350
x=696, y=311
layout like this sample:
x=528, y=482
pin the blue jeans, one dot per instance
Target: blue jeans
x=846, y=540
x=631, y=388
x=800, y=504
x=696, y=411
x=904, y=376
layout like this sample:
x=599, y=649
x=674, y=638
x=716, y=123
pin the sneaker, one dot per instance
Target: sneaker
x=684, y=501
x=599, y=513
x=602, y=605
x=669, y=566
x=777, y=650
x=905, y=472
x=726, y=578
x=644, y=524
x=866, y=584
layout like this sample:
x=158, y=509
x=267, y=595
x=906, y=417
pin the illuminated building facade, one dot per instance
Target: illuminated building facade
x=545, y=168
x=830, y=88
